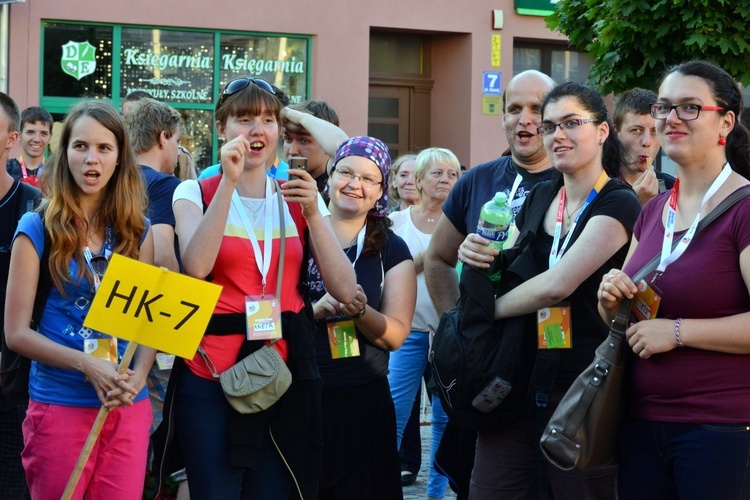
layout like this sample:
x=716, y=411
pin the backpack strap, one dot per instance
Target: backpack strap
x=45, y=280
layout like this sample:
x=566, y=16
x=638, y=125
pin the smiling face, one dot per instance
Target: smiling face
x=92, y=156
x=34, y=139
x=638, y=136
x=261, y=131
x=693, y=141
x=405, y=186
x=354, y=196
x=577, y=148
x=437, y=181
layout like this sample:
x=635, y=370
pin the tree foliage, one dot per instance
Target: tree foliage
x=634, y=41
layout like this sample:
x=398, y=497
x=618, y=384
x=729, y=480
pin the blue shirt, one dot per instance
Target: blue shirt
x=62, y=322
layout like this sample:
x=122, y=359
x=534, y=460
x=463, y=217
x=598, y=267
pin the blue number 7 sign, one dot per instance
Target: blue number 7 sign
x=492, y=82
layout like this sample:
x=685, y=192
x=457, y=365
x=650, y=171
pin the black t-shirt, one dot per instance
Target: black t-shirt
x=372, y=361
x=19, y=199
x=616, y=200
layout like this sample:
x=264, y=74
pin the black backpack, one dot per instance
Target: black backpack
x=481, y=367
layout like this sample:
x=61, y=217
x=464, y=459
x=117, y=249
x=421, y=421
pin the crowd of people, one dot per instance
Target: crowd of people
x=356, y=256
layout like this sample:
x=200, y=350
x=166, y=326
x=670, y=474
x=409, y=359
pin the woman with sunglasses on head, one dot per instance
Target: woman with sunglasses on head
x=686, y=433
x=95, y=207
x=360, y=458
x=586, y=220
x=229, y=229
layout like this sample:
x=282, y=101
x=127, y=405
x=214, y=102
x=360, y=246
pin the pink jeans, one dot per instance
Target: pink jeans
x=54, y=436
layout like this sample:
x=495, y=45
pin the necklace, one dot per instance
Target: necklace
x=570, y=216
x=250, y=202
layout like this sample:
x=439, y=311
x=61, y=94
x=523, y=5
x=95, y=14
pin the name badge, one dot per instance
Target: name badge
x=342, y=339
x=102, y=348
x=645, y=302
x=553, y=327
x=263, y=317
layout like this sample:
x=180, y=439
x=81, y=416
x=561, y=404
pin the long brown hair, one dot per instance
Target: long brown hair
x=123, y=204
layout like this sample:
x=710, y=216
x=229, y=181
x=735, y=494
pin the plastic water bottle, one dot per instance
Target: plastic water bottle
x=494, y=223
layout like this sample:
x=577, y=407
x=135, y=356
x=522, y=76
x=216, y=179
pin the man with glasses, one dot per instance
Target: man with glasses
x=514, y=175
x=16, y=198
x=636, y=129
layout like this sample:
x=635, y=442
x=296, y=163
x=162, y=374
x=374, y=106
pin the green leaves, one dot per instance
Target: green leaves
x=634, y=41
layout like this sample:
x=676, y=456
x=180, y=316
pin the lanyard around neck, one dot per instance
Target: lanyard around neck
x=556, y=254
x=667, y=255
x=512, y=194
x=360, y=243
x=262, y=260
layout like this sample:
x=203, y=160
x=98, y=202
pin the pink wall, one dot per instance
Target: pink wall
x=339, y=66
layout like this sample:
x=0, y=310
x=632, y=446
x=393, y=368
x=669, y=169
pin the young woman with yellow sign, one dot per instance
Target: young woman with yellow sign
x=95, y=207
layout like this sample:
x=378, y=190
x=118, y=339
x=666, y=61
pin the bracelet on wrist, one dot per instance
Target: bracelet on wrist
x=677, y=332
x=360, y=313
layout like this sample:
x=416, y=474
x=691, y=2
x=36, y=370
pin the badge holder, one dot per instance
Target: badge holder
x=553, y=327
x=645, y=303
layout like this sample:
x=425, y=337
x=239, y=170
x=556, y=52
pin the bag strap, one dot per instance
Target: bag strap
x=45, y=280
x=620, y=323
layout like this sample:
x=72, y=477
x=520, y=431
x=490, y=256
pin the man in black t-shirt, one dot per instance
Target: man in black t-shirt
x=515, y=175
x=16, y=198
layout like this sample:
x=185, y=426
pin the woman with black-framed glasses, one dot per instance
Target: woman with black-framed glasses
x=572, y=229
x=687, y=431
x=229, y=228
x=95, y=207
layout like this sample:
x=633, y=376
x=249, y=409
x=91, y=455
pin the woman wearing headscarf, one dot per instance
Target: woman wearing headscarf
x=360, y=458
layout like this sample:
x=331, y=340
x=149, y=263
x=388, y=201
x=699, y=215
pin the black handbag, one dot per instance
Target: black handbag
x=582, y=433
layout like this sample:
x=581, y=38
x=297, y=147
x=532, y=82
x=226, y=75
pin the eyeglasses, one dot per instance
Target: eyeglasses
x=242, y=83
x=565, y=126
x=347, y=176
x=685, y=112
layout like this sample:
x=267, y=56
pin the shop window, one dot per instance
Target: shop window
x=172, y=66
x=77, y=60
x=281, y=61
x=557, y=61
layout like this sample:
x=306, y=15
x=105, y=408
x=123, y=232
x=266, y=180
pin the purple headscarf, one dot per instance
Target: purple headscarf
x=375, y=150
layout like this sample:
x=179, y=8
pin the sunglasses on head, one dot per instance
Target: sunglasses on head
x=242, y=83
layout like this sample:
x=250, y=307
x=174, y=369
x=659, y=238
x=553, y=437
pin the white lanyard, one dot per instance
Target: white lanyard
x=262, y=260
x=667, y=255
x=516, y=183
x=555, y=255
x=360, y=243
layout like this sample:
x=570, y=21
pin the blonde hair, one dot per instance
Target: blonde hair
x=123, y=204
x=430, y=157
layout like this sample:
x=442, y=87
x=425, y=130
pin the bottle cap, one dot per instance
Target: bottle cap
x=500, y=198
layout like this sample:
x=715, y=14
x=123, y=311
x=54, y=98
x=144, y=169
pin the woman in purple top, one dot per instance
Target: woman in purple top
x=687, y=433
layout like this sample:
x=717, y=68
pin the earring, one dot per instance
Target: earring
x=722, y=141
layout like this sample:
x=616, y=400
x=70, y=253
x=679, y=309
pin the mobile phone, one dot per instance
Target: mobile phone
x=299, y=162
x=492, y=395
